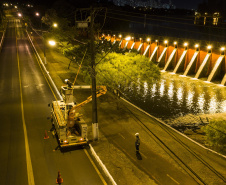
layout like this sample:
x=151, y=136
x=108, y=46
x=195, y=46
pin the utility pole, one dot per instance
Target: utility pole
x=93, y=76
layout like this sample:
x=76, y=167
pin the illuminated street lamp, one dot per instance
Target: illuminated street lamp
x=120, y=36
x=175, y=44
x=37, y=14
x=55, y=25
x=52, y=42
x=148, y=40
x=19, y=14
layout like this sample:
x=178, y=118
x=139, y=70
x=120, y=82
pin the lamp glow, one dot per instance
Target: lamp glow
x=166, y=41
x=55, y=25
x=185, y=44
x=175, y=43
x=120, y=36
x=148, y=39
x=37, y=14
x=128, y=38
x=196, y=46
x=52, y=43
x=209, y=47
x=222, y=48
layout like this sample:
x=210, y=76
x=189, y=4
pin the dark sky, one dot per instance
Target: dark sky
x=187, y=4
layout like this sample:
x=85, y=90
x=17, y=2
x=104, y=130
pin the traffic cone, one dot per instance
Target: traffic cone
x=59, y=180
x=46, y=136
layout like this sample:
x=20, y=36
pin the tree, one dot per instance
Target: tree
x=216, y=133
x=118, y=70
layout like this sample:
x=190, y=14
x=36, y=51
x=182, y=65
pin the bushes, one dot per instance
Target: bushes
x=216, y=133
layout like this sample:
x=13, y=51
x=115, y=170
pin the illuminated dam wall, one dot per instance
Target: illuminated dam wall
x=184, y=59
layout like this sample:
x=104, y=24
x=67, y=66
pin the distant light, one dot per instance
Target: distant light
x=140, y=38
x=19, y=14
x=113, y=35
x=222, y=48
x=103, y=34
x=132, y=38
x=52, y=43
x=209, y=47
x=166, y=41
x=185, y=44
x=156, y=40
x=175, y=43
x=148, y=39
x=120, y=36
x=15, y=6
x=37, y=14
x=128, y=38
x=55, y=25
x=196, y=46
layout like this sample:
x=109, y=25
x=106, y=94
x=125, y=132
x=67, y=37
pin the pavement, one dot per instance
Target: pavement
x=161, y=158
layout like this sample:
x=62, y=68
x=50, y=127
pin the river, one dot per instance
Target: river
x=174, y=96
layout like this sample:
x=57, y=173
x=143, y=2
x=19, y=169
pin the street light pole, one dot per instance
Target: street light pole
x=44, y=45
x=93, y=75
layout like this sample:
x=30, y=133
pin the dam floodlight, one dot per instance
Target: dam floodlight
x=128, y=38
x=185, y=44
x=222, y=50
x=197, y=46
x=209, y=47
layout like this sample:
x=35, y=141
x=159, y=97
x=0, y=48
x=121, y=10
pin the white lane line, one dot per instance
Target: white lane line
x=121, y=136
x=28, y=156
x=173, y=179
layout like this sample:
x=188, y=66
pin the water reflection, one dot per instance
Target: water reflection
x=173, y=96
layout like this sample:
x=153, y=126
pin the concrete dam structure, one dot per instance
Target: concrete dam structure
x=179, y=59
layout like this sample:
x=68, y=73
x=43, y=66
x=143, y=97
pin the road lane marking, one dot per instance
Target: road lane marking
x=95, y=167
x=30, y=174
x=172, y=179
x=121, y=135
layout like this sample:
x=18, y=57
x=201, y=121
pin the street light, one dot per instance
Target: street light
x=52, y=42
x=37, y=14
x=19, y=14
x=128, y=38
x=55, y=25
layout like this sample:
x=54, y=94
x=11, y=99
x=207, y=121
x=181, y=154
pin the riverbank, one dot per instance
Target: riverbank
x=191, y=125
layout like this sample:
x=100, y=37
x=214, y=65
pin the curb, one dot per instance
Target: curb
x=2, y=40
x=91, y=148
x=173, y=128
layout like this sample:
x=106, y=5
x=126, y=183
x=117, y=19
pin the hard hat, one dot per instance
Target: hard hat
x=137, y=134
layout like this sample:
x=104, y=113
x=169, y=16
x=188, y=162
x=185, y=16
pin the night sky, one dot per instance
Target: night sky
x=187, y=4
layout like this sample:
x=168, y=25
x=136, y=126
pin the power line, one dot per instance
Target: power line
x=184, y=23
x=126, y=20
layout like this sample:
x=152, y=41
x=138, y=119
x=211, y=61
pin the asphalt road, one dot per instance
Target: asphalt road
x=26, y=157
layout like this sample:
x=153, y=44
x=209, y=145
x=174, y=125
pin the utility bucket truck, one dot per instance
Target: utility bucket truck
x=69, y=125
